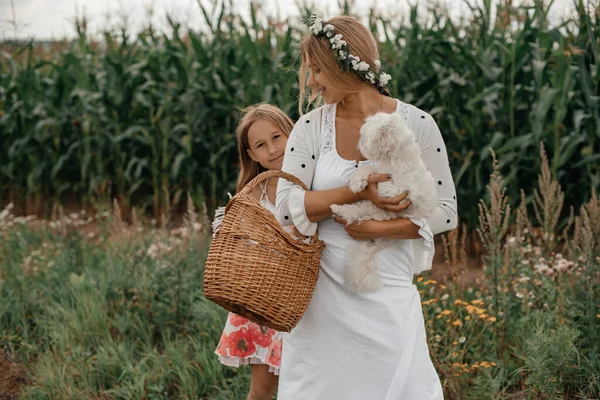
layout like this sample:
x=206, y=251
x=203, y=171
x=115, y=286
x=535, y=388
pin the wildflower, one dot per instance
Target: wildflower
x=492, y=319
x=457, y=323
x=438, y=338
x=445, y=297
x=462, y=339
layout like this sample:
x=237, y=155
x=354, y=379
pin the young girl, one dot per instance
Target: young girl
x=356, y=346
x=262, y=135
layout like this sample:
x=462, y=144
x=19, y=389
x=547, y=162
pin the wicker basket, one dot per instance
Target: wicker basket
x=255, y=268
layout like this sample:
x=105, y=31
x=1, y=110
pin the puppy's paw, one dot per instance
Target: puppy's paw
x=358, y=184
x=336, y=209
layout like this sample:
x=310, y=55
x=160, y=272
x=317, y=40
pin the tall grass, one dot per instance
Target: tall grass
x=146, y=117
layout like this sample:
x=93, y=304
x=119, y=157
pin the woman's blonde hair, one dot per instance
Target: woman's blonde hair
x=249, y=168
x=318, y=52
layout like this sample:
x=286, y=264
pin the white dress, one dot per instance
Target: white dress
x=360, y=346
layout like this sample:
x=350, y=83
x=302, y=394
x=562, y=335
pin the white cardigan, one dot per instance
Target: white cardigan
x=302, y=153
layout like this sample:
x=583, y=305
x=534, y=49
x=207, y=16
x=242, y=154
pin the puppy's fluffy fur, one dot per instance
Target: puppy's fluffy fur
x=386, y=140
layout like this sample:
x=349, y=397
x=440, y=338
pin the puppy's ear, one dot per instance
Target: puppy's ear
x=388, y=140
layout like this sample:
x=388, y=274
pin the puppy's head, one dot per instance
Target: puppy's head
x=382, y=136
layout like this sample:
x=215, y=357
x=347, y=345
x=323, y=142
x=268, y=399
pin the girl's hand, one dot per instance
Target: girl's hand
x=296, y=233
x=392, y=204
x=366, y=230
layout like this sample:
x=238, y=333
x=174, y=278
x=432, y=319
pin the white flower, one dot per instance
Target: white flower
x=317, y=26
x=338, y=37
x=384, y=79
x=342, y=54
x=445, y=296
x=354, y=59
x=371, y=77
x=378, y=63
x=329, y=28
x=363, y=66
x=438, y=338
x=462, y=339
x=329, y=34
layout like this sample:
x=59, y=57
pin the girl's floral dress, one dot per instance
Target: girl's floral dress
x=244, y=342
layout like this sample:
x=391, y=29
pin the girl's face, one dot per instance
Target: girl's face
x=318, y=82
x=267, y=144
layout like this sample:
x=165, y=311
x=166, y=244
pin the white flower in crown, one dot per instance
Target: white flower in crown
x=354, y=59
x=362, y=66
x=343, y=54
x=384, y=79
x=317, y=26
x=371, y=77
x=329, y=28
x=378, y=63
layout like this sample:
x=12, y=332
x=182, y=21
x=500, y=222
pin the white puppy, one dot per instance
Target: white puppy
x=386, y=140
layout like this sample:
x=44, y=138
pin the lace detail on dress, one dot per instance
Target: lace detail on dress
x=327, y=128
x=264, y=198
x=404, y=110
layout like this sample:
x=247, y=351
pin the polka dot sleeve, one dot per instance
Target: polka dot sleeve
x=445, y=217
x=300, y=159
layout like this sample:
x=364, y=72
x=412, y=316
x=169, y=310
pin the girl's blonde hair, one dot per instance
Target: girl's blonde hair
x=249, y=168
x=318, y=52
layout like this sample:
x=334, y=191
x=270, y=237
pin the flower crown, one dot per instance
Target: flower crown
x=349, y=62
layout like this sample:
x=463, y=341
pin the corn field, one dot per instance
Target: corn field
x=148, y=117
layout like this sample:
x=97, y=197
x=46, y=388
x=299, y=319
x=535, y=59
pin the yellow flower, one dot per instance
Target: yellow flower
x=454, y=355
x=478, y=303
x=493, y=364
x=467, y=318
x=446, y=312
x=492, y=319
x=420, y=279
x=458, y=323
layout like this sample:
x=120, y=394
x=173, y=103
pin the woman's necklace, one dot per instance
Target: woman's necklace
x=348, y=118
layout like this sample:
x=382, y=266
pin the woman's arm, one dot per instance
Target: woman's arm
x=304, y=208
x=318, y=203
x=398, y=228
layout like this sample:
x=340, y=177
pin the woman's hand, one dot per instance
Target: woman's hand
x=366, y=230
x=296, y=233
x=393, y=204
x=398, y=228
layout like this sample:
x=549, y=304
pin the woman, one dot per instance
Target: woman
x=367, y=345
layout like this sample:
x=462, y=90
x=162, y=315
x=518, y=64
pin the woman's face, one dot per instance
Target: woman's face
x=319, y=83
x=267, y=144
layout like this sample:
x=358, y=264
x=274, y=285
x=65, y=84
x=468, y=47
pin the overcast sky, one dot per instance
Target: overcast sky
x=45, y=19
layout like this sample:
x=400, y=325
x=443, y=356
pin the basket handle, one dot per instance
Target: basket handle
x=250, y=186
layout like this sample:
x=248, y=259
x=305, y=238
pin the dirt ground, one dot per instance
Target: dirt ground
x=13, y=378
